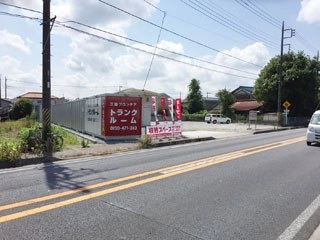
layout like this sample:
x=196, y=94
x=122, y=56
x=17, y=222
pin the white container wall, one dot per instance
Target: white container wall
x=93, y=114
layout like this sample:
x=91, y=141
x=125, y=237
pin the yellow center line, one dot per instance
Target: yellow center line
x=165, y=173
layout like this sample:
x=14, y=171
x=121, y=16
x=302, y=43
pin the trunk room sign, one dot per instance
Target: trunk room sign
x=114, y=116
x=121, y=116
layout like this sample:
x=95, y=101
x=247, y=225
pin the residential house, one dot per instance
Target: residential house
x=5, y=108
x=36, y=98
x=212, y=104
x=244, y=100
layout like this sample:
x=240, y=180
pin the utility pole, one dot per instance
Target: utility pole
x=46, y=75
x=280, y=81
x=5, y=87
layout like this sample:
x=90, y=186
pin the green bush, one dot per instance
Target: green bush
x=21, y=108
x=31, y=139
x=84, y=143
x=193, y=117
x=145, y=142
x=10, y=149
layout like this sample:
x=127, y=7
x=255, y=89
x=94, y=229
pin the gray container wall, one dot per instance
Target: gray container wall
x=73, y=114
x=70, y=115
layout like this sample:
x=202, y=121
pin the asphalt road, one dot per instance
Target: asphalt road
x=263, y=186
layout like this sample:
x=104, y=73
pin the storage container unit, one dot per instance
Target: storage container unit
x=106, y=116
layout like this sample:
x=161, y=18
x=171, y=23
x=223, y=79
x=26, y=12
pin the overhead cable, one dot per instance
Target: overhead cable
x=179, y=35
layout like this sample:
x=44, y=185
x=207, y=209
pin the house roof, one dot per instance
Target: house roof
x=246, y=105
x=35, y=95
x=243, y=88
x=6, y=100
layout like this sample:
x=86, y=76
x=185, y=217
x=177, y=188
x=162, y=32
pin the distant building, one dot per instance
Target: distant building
x=212, y=104
x=245, y=100
x=5, y=108
x=243, y=93
x=36, y=98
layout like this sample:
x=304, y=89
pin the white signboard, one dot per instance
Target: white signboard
x=253, y=115
x=164, y=129
x=93, y=116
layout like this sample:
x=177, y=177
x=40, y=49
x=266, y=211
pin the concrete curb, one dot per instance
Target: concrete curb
x=180, y=141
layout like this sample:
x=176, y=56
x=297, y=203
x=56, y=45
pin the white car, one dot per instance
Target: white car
x=217, y=118
x=313, y=132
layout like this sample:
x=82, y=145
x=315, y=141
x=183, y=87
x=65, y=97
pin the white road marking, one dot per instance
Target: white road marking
x=299, y=222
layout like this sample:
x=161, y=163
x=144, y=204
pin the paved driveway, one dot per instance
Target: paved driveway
x=203, y=129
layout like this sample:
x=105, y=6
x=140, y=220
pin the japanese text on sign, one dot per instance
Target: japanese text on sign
x=164, y=130
x=122, y=116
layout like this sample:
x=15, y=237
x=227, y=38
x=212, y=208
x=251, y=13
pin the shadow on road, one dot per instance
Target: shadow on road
x=61, y=177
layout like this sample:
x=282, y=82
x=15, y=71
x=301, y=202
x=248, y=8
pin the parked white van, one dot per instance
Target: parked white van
x=216, y=118
x=313, y=132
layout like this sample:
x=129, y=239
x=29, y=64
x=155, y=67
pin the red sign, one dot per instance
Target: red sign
x=178, y=109
x=122, y=116
x=170, y=106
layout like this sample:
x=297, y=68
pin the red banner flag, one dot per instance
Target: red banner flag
x=154, y=107
x=163, y=106
x=170, y=106
x=178, y=109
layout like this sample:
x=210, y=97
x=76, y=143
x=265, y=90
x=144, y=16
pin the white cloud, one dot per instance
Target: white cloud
x=84, y=66
x=19, y=80
x=14, y=41
x=310, y=11
x=256, y=53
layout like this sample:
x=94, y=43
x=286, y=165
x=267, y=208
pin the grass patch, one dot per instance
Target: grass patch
x=145, y=142
x=24, y=136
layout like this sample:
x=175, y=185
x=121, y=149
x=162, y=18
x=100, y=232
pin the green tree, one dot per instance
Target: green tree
x=194, y=98
x=226, y=99
x=300, y=84
x=22, y=108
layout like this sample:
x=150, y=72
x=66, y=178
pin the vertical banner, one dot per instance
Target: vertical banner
x=170, y=106
x=178, y=109
x=163, y=107
x=154, y=107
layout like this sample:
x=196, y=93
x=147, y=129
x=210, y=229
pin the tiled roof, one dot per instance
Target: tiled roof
x=246, y=105
x=35, y=95
x=243, y=88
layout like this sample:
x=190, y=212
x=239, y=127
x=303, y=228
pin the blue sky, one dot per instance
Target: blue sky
x=222, y=43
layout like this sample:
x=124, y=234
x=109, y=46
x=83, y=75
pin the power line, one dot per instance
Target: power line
x=159, y=48
x=154, y=6
x=259, y=13
x=155, y=49
x=237, y=19
x=23, y=8
x=178, y=54
x=20, y=16
x=145, y=51
x=228, y=55
x=179, y=35
x=227, y=22
x=267, y=15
